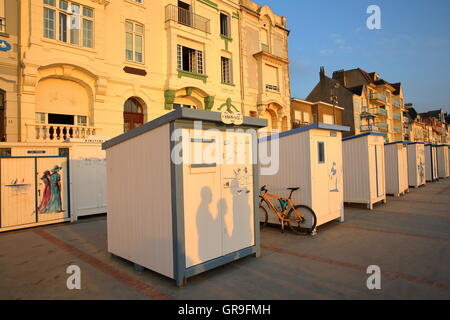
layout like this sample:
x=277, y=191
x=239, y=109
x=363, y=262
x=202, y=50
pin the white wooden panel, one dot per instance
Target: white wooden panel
x=431, y=164
x=327, y=177
x=396, y=169
x=237, y=205
x=380, y=171
x=139, y=201
x=356, y=170
x=294, y=170
x=442, y=160
x=17, y=194
x=416, y=165
x=52, y=189
x=202, y=200
x=403, y=168
x=88, y=180
x=392, y=172
x=364, y=170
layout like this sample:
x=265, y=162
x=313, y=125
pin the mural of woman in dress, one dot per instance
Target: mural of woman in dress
x=54, y=202
x=46, y=194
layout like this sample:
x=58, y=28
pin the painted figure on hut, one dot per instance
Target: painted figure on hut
x=51, y=200
x=46, y=194
x=333, y=179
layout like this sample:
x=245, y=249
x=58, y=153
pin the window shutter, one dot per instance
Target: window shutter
x=179, y=57
x=199, y=62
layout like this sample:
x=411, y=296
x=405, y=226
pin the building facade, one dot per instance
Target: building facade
x=370, y=103
x=265, y=65
x=99, y=68
x=9, y=68
x=429, y=127
x=304, y=113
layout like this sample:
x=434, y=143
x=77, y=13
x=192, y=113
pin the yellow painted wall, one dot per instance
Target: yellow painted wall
x=92, y=81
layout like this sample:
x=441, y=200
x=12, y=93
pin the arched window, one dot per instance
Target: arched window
x=133, y=114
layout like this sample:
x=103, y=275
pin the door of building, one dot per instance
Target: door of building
x=133, y=115
x=218, y=195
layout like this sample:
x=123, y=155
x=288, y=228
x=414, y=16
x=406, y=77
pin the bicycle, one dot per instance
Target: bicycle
x=301, y=219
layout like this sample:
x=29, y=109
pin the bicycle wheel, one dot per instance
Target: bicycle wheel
x=263, y=215
x=308, y=225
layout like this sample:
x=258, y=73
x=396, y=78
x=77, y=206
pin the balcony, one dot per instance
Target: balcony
x=382, y=126
x=187, y=18
x=58, y=132
x=369, y=128
x=379, y=111
x=398, y=129
x=378, y=98
x=396, y=103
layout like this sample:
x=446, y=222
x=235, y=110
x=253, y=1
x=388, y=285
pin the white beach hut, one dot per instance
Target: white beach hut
x=431, y=164
x=442, y=160
x=309, y=158
x=416, y=164
x=364, y=169
x=182, y=193
x=82, y=182
x=396, y=159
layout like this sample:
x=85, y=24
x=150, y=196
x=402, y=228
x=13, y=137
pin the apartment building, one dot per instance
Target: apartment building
x=428, y=127
x=9, y=68
x=265, y=65
x=304, y=113
x=101, y=68
x=369, y=102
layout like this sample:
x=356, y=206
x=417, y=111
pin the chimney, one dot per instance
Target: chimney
x=322, y=73
x=339, y=75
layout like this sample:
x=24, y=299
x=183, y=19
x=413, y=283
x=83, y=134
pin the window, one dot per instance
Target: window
x=133, y=115
x=82, y=121
x=184, y=14
x=190, y=60
x=5, y=152
x=139, y=1
x=54, y=118
x=2, y=25
x=63, y=152
x=321, y=150
x=271, y=77
x=225, y=25
x=71, y=21
x=134, y=38
x=40, y=117
x=226, y=70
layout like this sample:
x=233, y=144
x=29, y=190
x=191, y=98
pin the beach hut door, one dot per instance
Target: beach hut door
x=379, y=174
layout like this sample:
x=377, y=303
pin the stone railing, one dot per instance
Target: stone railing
x=58, y=132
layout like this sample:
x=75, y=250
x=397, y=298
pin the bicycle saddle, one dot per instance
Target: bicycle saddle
x=294, y=189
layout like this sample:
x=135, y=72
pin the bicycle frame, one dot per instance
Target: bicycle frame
x=266, y=197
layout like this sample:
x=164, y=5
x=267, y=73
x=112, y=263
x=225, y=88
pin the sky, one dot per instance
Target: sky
x=412, y=46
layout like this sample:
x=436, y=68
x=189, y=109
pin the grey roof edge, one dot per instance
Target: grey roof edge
x=397, y=142
x=180, y=114
x=318, y=125
x=365, y=135
x=415, y=142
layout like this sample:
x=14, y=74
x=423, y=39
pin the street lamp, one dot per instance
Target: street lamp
x=334, y=100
